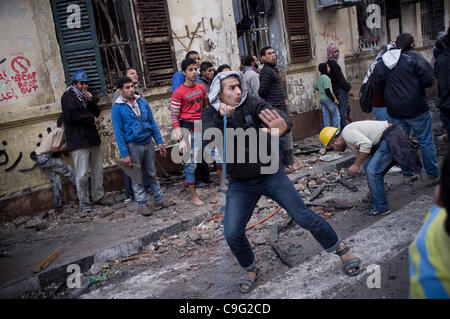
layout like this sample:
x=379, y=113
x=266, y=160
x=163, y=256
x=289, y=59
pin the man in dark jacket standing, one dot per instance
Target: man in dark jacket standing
x=272, y=91
x=80, y=114
x=403, y=76
x=443, y=67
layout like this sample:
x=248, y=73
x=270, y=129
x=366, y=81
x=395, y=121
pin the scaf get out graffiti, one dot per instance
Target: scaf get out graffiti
x=18, y=78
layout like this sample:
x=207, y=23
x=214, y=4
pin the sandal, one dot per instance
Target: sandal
x=246, y=280
x=351, y=263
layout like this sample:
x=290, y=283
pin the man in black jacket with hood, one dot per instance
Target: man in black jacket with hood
x=249, y=179
x=403, y=77
x=81, y=114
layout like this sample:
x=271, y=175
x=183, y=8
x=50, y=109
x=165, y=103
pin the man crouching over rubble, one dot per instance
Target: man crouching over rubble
x=379, y=145
x=228, y=95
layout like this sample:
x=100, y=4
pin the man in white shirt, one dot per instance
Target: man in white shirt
x=375, y=157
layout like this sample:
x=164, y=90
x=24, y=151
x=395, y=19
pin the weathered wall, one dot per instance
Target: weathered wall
x=206, y=26
x=31, y=82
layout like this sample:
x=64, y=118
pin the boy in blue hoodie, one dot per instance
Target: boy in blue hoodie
x=327, y=99
x=134, y=129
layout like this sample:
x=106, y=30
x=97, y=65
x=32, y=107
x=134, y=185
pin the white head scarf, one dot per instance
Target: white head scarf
x=215, y=88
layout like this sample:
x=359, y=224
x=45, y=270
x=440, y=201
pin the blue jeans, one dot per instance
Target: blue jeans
x=242, y=197
x=446, y=123
x=381, y=114
x=374, y=167
x=422, y=126
x=54, y=168
x=144, y=155
x=328, y=107
x=344, y=108
x=129, y=187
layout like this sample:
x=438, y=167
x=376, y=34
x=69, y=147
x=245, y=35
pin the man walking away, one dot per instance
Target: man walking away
x=134, y=129
x=403, y=77
x=81, y=114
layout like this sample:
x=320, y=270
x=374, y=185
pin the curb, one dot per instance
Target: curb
x=125, y=249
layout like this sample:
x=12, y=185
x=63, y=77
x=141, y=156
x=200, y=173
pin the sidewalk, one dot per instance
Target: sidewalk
x=109, y=234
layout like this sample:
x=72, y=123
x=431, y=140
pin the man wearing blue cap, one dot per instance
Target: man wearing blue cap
x=80, y=114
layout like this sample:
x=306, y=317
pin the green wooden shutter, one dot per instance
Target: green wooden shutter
x=79, y=46
x=296, y=16
x=155, y=36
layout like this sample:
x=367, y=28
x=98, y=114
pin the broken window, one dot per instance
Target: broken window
x=432, y=17
x=116, y=38
x=99, y=37
x=252, y=25
x=369, y=15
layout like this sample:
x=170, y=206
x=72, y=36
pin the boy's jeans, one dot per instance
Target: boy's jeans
x=54, y=167
x=144, y=155
x=242, y=197
x=328, y=107
x=374, y=167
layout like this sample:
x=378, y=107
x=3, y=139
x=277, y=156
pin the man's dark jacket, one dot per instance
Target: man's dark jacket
x=338, y=81
x=443, y=63
x=401, y=147
x=245, y=116
x=404, y=85
x=270, y=87
x=80, y=129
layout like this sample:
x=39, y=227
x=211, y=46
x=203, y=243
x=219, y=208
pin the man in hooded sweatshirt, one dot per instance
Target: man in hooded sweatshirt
x=403, y=77
x=251, y=178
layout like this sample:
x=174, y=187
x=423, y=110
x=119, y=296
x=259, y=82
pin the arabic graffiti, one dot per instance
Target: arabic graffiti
x=4, y=158
x=19, y=80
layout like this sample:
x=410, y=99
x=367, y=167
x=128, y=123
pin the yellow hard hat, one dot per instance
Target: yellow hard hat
x=327, y=134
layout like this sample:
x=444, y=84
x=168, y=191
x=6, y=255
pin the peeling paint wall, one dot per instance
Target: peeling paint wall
x=206, y=26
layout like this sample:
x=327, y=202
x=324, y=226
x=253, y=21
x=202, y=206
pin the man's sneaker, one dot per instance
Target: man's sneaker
x=409, y=179
x=375, y=212
x=432, y=181
x=144, y=210
x=127, y=199
x=165, y=203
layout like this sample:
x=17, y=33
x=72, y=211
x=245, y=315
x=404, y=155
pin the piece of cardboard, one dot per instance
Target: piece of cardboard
x=135, y=173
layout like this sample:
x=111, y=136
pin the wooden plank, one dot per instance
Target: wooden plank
x=43, y=264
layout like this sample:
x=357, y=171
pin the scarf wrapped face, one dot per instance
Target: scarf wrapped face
x=78, y=94
x=216, y=88
x=330, y=50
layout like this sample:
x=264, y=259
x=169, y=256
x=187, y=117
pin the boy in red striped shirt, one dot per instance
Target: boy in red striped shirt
x=186, y=107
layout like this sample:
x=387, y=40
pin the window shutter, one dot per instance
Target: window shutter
x=296, y=15
x=437, y=17
x=155, y=36
x=78, y=43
